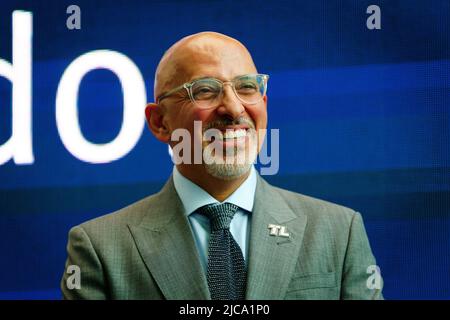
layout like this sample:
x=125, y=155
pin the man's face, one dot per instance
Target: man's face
x=223, y=61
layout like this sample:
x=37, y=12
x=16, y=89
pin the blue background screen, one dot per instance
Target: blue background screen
x=363, y=118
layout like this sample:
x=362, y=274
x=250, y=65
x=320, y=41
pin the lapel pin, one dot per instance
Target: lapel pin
x=276, y=230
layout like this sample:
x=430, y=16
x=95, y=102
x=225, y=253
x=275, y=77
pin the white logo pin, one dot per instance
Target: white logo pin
x=276, y=230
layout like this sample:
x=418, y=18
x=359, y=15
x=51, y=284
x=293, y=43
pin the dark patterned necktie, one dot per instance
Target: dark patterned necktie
x=226, y=273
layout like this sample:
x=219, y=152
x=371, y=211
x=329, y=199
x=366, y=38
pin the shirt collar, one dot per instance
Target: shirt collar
x=193, y=197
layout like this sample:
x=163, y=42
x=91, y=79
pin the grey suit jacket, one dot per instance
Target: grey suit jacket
x=147, y=251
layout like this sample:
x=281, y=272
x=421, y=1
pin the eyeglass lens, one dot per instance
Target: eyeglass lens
x=250, y=89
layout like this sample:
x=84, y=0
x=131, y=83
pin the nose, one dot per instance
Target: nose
x=230, y=104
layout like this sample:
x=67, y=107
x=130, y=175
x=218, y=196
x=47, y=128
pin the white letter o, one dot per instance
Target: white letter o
x=134, y=100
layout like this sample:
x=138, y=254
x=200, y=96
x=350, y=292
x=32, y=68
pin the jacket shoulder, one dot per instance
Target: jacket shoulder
x=315, y=209
x=117, y=221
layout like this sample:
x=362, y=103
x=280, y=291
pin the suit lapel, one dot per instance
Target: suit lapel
x=167, y=246
x=272, y=259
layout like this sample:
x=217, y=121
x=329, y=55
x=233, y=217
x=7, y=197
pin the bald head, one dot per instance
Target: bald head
x=202, y=54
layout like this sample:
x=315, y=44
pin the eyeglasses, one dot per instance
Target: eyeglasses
x=207, y=92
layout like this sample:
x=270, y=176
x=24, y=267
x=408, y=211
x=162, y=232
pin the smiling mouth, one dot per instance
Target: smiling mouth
x=229, y=134
x=234, y=134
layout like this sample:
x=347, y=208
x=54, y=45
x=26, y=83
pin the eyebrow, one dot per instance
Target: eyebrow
x=209, y=77
x=202, y=78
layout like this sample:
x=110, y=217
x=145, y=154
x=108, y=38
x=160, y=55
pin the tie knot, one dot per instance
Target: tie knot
x=220, y=215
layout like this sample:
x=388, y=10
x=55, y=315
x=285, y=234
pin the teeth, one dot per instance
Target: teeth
x=233, y=134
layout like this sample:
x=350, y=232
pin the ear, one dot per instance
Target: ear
x=154, y=115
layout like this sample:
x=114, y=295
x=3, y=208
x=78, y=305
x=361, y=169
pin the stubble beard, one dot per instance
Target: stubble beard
x=235, y=161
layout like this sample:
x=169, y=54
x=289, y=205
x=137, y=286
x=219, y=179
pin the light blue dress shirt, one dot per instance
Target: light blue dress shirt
x=193, y=197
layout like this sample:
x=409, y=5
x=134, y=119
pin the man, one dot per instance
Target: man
x=218, y=230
